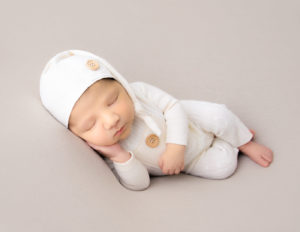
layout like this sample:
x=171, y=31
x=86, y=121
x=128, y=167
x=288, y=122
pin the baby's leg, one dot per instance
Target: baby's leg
x=217, y=162
x=224, y=124
x=219, y=120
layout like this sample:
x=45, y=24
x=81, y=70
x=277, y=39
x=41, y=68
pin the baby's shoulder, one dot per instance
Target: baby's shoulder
x=139, y=87
x=142, y=86
x=138, y=84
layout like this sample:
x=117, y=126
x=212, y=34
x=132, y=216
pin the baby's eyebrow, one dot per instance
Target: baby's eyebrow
x=110, y=94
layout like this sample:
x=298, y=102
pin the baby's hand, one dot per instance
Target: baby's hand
x=114, y=152
x=172, y=160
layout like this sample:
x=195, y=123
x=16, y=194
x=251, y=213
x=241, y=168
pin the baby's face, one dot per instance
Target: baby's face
x=101, y=112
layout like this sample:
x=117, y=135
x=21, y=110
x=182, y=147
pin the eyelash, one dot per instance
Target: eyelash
x=116, y=98
x=90, y=127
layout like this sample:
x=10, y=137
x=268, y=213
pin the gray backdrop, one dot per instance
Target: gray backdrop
x=244, y=54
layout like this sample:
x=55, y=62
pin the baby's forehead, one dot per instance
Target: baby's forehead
x=102, y=85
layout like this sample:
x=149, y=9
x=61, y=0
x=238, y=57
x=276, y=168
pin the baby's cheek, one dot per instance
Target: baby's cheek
x=102, y=141
x=126, y=133
x=127, y=107
x=95, y=137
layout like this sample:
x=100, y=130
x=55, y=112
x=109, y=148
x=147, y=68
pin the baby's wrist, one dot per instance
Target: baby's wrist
x=175, y=147
x=121, y=157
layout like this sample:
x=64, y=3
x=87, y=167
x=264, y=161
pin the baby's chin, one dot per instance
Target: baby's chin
x=112, y=142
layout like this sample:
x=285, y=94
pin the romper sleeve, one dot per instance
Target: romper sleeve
x=132, y=174
x=174, y=114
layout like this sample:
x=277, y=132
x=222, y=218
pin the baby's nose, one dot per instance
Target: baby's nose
x=111, y=121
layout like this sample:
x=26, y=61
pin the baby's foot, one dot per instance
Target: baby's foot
x=258, y=153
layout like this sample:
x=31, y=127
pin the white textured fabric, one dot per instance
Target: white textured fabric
x=64, y=79
x=210, y=131
x=129, y=170
x=217, y=162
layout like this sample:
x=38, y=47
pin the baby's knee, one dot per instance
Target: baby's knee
x=219, y=162
x=224, y=172
x=227, y=160
x=212, y=171
x=221, y=112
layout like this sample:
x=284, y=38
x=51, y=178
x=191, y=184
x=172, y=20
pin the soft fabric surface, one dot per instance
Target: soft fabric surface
x=244, y=54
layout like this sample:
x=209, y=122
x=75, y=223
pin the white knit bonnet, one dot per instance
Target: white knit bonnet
x=69, y=73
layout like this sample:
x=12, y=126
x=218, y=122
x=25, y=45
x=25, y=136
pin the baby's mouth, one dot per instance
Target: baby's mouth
x=120, y=131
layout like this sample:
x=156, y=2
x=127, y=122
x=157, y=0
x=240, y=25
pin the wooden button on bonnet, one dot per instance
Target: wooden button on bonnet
x=92, y=64
x=152, y=140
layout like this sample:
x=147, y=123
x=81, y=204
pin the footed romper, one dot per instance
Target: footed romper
x=219, y=160
x=210, y=132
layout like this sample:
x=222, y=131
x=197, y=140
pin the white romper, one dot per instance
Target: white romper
x=210, y=131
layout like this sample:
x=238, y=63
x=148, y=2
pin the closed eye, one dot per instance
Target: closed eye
x=115, y=99
x=91, y=125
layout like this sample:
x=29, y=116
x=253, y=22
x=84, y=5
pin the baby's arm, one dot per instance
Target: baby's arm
x=131, y=173
x=172, y=160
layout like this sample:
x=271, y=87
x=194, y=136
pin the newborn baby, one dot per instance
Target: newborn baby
x=141, y=130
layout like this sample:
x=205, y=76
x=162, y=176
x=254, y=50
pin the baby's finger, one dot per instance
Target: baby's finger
x=177, y=171
x=182, y=167
x=171, y=172
x=165, y=171
x=160, y=164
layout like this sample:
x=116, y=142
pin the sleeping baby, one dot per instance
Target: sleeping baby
x=139, y=129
